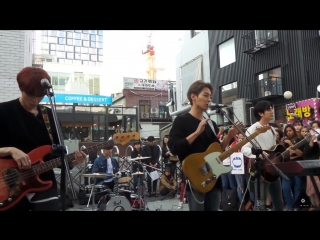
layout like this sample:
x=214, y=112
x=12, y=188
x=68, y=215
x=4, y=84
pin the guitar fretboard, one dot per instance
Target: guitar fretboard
x=46, y=166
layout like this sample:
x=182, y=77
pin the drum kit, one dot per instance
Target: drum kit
x=122, y=198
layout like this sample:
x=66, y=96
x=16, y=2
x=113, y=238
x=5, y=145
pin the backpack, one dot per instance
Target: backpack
x=229, y=200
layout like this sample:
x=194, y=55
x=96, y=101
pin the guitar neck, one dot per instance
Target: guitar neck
x=238, y=146
x=54, y=163
x=294, y=147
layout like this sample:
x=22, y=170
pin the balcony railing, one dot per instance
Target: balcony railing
x=259, y=39
x=265, y=88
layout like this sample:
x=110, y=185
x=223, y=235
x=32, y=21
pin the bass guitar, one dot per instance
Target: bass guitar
x=204, y=169
x=16, y=183
x=277, y=154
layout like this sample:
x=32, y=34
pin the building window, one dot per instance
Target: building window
x=70, y=55
x=77, y=36
x=100, y=58
x=92, y=44
x=144, y=108
x=93, y=51
x=77, y=42
x=99, y=45
x=227, y=53
x=70, y=41
x=62, y=34
x=52, y=39
x=78, y=31
x=229, y=93
x=45, y=32
x=85, y=43
x=100, y=51
x=77, y=56
x=68, y=61
x=52, y=46
x=85, y=62
x=45, y=46
x=262, y=36
x=163, y=110
x=69, y=48
x=93, y=31
x=52, y=33
x=100, y=32
x=100, y=38
x=44, y=39
x=77, y=62
x=60, y=47
x=195, y=33
x=93, y=58
x=77, y=49
x=52, y=52
x=85, y=36
x=84, y=56
x=61, y=60
x=69, y=34
x=61, y=40
x=269, y=82
x=92, y=37
x=61, y=54
x=59, y=80
x=85, y=31
x=84, y=50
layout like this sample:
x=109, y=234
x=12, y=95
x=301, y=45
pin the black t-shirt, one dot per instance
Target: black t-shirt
x=25, y=131
x=182, y=127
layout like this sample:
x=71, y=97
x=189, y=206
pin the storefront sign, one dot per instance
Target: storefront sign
x=145, y=84
x=79, y=98
x=303, y=109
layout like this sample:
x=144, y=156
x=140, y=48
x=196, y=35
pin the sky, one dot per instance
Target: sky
x=123, y=56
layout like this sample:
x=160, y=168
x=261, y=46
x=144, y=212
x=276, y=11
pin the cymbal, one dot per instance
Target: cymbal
x=98, y=175
x=124, y=180
x=138, y=158
x=138, y=173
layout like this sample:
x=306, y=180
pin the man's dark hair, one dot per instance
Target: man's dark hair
x=261, y=107
x=197, y=87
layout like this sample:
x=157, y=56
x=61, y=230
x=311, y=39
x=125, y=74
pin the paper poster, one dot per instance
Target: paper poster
x=237, y=163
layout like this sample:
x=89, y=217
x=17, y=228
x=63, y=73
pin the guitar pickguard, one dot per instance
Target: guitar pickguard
x=17, y=182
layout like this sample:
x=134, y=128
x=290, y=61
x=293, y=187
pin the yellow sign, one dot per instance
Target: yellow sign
x=302, y=112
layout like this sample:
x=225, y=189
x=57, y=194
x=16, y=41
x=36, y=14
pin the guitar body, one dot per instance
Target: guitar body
x=276, y=157
x=15, y=183
x=204, y=169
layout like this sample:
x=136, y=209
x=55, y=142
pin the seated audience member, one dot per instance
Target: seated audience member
x=167, y=182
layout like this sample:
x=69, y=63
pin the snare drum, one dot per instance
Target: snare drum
x=98, y=189
x=111, y=202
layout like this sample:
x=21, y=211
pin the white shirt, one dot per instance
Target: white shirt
x=109, y=169
x=264, y=140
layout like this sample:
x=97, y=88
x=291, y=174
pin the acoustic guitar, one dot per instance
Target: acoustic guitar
x=277, y=154
x=204, y=169
x=16, y=183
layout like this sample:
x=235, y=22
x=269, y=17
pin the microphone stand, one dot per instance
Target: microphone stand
x=60, y=150
x=255, y=151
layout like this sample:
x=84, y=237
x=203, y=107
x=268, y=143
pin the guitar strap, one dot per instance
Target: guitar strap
x=211, y=125
x=46, y=120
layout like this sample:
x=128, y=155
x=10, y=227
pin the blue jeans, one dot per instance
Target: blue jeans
x=275, y=193
x=241, y=184
x=294, y=182
x=211, y=200
x=228, y=181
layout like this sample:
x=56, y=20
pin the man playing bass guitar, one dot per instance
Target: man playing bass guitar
x=191, y=133
x=263, y=112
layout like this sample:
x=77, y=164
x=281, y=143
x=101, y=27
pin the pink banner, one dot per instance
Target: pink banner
x=304, y=109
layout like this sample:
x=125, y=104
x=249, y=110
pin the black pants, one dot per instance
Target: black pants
x=25, y=205
x=109, y=185
x=164, y=191
x=154, y=184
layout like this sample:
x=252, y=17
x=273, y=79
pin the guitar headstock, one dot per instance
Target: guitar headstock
x=263, y=129
x=124, y=138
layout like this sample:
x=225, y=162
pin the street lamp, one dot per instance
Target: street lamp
x=288, y=94
x=318, y=90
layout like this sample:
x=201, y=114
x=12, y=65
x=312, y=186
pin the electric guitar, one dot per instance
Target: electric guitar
x=277, y=154
x=16, y=183
x=204, y=169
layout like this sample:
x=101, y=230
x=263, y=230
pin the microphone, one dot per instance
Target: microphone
x=45, y=83
x=217, y=105
x=295, y=116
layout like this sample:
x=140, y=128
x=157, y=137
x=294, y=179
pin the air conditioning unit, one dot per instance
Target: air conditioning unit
x=154, y=113
x=145, y=115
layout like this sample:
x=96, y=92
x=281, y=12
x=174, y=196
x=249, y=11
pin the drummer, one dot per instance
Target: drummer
x=136, y=166
x=106, y=164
